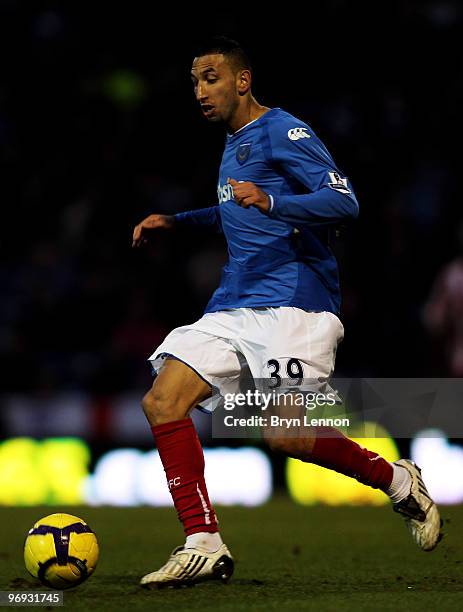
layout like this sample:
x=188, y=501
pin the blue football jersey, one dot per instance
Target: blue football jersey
x=282, y=257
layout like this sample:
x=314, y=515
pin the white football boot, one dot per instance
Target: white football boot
x=420, y=512
x=187, y=566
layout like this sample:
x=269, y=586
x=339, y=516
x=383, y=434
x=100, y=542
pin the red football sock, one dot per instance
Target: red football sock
x=334, y=451
x=183, y=460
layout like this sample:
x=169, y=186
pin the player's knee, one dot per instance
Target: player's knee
x=279, y=445
x=162, y=407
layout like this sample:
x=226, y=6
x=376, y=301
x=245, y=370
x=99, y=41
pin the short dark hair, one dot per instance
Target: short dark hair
x=227, y=47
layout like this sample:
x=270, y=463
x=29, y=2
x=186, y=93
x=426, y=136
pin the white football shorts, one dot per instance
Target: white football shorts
x=254, y=343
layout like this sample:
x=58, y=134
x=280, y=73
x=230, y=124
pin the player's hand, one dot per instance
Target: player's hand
x=248, y=194
x=144, y=229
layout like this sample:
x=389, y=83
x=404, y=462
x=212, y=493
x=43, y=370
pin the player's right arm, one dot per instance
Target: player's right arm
x=143, y=230
x=204, y=217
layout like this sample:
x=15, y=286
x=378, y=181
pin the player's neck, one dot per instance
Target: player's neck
x=246, y=114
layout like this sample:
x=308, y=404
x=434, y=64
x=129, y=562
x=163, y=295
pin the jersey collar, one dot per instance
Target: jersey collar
x=229, y=136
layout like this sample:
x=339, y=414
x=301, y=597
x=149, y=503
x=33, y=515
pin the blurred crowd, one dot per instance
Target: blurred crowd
x=99, y=128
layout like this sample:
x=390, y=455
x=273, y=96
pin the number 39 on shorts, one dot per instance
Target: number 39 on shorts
x=285, y=368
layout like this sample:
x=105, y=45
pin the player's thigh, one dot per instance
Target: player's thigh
x=180, y=383
x=206, y=356
x=176, y=390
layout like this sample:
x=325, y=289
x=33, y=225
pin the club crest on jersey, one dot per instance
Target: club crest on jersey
x=242, y=152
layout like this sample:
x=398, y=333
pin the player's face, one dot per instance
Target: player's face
x=215, y=86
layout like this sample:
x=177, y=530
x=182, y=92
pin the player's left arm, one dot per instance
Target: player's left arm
x=299, y=153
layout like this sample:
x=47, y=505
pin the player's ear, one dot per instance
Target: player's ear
x=244, y=81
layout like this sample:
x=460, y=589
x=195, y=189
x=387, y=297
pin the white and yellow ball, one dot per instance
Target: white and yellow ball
x=61, y=551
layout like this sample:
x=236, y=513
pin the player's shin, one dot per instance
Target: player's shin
x=333, y=450
x=183, y=460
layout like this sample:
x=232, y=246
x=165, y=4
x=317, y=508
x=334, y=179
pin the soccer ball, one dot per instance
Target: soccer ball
x=61, y=551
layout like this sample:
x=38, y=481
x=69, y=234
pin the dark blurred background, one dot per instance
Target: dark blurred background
x=99, y=128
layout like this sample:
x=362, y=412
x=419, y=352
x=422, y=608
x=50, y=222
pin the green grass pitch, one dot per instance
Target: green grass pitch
x=287, y=557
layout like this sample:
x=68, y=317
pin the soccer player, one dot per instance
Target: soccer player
x=277, y=307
